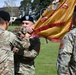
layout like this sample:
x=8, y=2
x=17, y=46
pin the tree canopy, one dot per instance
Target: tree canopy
x=34, y=8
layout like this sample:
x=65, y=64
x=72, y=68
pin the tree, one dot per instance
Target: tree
x=25, y=6
x=35, y=8
x=9, y=4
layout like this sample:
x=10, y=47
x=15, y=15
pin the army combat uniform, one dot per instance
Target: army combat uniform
x=66, y=62
x=7, y=41
x=24, y=59
x=24, y=64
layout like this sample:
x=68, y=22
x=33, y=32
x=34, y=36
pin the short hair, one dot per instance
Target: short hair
x=1, y=21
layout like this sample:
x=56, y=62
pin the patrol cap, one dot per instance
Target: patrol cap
x=5, y=15
x=27, y=18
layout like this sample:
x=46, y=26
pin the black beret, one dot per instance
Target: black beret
x=5, y=15
x=27, y=18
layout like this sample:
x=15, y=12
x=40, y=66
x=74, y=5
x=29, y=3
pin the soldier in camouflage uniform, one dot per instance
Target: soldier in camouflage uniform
x=24, y=64
x=66, y=62
x=7, y=41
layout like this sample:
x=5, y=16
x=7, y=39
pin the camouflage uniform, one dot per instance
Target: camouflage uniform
x=24, y=63
x=7, y=41
x=24, y=60
x=66, y=62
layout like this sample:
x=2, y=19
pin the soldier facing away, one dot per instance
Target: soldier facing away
x=7, y=41
x=66, y=62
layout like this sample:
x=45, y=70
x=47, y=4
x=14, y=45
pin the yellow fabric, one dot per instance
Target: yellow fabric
x=63, y=13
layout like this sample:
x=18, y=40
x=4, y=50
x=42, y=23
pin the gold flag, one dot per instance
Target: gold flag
x=56, y=20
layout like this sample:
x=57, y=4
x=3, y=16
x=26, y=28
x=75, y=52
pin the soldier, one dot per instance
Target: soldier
x=24, y=64
x=7, y=41
x=66, y=62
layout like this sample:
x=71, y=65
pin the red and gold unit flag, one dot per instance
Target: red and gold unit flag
x=56, y=20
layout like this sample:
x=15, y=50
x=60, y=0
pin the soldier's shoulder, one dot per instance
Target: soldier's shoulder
x=9, y=34
x=72, y=32
x=70, y=35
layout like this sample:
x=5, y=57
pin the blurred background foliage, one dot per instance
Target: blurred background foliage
x=34, y=7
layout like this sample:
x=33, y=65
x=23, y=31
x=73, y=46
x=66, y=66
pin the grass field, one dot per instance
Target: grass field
x=45, y=63
x=12, y=27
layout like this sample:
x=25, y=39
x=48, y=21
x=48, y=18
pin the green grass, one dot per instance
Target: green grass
x=12, y=27
x=45, y=63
